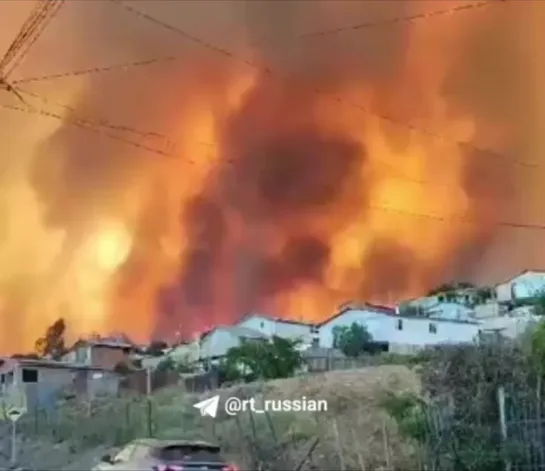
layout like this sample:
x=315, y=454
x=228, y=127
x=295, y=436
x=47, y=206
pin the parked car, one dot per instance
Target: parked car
x=166, y=455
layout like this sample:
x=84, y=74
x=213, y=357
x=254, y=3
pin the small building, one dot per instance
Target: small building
x=44, y=382
x=450, y=310
x=100, y=353
x=318, y=359
x=405, y=333
x=270, y=326
x=526, y=285
x=513, y=325
x=215, y=344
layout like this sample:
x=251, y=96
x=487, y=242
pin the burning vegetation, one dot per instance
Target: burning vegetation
x=294, y=184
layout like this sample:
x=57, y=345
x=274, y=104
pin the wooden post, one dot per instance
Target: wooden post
x=503, y=422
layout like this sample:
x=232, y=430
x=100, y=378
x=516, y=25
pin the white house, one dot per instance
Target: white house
x=450, y=310
x=513, y=325
x=527, y=284
x=218, y=341
x=436, y=307
x=402, y=333
x=284, y=328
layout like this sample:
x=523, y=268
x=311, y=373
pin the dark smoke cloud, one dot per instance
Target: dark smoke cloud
x=286, y=170
x=303, y=259
x=206, y=231
x=393, y=265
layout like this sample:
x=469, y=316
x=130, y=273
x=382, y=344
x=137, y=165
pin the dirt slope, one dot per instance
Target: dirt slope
x=354, y=432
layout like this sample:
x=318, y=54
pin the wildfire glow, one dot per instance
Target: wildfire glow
x=286, y=193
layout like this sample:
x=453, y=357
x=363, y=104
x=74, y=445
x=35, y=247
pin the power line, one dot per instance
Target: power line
x=385, y=22
x=18, y=42
x=400, y=19
x=96, y=70
x=30, y=32
x=89, y=127
x=268, y=71
x=99, y=122
x=461, y=219
x=53, y=8
x=393, y=172
x=85, y=125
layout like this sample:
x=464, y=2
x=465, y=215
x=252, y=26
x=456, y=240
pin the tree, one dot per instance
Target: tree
x=156, y=348
x=52, y=343
x=351, y=340
x=448, y=288
x=539, y=305
x=277, y=358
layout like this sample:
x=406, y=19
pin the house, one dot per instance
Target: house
x=285, y=328
x=526, y=285
x=218, y=341
x=320, y=358
x=512, y=325
x=402, y=333
x=44, y=382
x=187, y=352
x=101, y=353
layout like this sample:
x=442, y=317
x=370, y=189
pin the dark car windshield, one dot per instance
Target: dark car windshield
x=190, y=453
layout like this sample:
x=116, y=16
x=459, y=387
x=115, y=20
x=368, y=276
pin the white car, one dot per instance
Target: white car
x=150, y=454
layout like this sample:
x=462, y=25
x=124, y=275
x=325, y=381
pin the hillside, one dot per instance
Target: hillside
x=353, y=433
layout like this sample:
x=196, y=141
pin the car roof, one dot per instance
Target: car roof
x=158, y=443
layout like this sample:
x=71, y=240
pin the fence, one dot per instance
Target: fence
x=523, y=429
x=510, y=437
x=255, y=441
x=318, y=364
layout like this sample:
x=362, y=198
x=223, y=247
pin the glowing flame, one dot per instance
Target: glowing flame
x=286, y=192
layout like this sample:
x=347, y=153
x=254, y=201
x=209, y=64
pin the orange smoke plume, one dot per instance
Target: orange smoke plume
x=288, y=192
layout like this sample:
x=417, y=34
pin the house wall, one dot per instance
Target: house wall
x=452, y=311
x=187, y=353
x=414, y=331
x=80, y=354
x=108, y=357
x=272, y=327
x=509, y=326
x=102, y=383
x=218, y=343
x=526, y=285
x=51, y=382
x=487, y=310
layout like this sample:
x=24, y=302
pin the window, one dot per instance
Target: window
x=262, y=324
x=29, y=376
x=433, y=329
x=399, y=324
x=81, y=355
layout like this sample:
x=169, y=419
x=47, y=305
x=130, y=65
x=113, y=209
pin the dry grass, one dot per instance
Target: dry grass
x=352, y=434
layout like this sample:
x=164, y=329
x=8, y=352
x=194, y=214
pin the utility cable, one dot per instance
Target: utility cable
x=18, y=42
x=91, y=126
x=29, y=33
x=446, y=219
x=54, y=7
x=315, y=34
x=100, y=122
x=268, y=71
x=401, y=19
x=393, y=172
x=96, y=70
